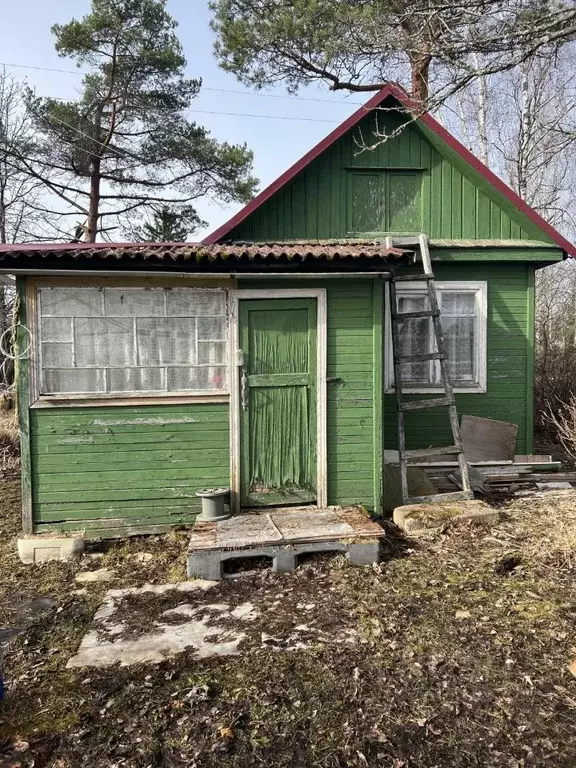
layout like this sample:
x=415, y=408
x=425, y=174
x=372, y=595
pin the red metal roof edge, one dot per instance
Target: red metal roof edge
x=394, y=90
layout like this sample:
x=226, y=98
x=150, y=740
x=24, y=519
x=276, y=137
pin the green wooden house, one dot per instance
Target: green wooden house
x=260, y=359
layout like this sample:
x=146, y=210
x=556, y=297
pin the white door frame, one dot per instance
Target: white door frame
x=235, y=463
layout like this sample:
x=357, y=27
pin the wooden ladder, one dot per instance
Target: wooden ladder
x=447, y=398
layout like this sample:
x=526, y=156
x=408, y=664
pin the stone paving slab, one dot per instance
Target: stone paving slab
x=417, y=519
x=185, y=616
x=276, y=526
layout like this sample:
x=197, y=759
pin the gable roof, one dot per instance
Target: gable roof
x=391, y=90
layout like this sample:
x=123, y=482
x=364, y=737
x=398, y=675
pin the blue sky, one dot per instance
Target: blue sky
x=25, y=38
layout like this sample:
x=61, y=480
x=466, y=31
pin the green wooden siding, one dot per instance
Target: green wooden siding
x=106, y=468
x=509, y=360
x=455, y=201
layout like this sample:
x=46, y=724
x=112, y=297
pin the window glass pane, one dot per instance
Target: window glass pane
x=104, y=342
x=211, y=329
x=66, y=302
x=211, y=352
x=56, y=355
x=74, y=381
x=203, y=379
x=366, y=202
x=187, y=303
x=133, y=303
x=460, y=336
x=403, y=202
x=57, y=329
x=166, y=342
x=415, y=339
x=458, y=304
x=136, y=379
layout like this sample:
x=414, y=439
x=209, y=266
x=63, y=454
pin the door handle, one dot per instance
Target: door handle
x=243, y=380
x=244, y=390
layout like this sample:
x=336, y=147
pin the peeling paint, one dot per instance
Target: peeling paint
x=158, y=421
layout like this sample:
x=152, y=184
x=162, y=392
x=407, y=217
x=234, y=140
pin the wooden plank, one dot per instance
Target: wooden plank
x=530, y=357
x=151, y=478
x=430, y=402
x=120, y=516
x=161, y=494
x=96, y=531
x=488, y=439
x=23, y=374
x=90, y=509
x=139, y=442
x=378, y=394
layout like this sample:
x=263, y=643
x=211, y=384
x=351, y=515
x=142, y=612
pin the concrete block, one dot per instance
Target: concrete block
x=208, y=564
x=365, y=553
x=416, y=519
x=39, y=549
x=205, y=565
x=284, y=559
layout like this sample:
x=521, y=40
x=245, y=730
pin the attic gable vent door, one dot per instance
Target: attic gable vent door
x=278, y=386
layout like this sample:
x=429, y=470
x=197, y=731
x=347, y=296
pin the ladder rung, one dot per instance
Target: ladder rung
x=430, y=402
x=401, y=316
x=411, y=278
x=438, y=498
x=421, y=358
x=437, y=451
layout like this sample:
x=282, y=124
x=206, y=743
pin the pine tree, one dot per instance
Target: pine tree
x=126, y=146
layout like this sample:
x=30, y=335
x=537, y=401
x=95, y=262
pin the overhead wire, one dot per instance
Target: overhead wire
x=289, y=97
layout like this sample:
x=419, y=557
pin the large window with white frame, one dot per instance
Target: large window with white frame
x=464, y=321
x=98, y=341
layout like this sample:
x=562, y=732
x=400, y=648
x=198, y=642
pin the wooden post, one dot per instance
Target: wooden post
x=378, y=393
x=530, y=357
x=23, y=364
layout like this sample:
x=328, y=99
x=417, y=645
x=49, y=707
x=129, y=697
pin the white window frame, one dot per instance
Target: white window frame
x=122, y=397
x=480, y=289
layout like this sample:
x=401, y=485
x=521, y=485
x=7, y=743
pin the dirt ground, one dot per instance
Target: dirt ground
x=462, y=658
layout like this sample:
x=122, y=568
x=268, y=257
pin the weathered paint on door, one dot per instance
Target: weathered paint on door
x=278, y=401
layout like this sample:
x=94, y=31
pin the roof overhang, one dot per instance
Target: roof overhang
x=199, y=257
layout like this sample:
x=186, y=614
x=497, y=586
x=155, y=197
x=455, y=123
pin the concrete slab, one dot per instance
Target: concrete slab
x=418, y=519
x=154, y=622
x=93, y=577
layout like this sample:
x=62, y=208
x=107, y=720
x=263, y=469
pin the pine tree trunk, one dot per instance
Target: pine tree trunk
x=93, y=210
x=420, y=68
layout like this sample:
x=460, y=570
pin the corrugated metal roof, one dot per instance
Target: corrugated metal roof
x=295, y=250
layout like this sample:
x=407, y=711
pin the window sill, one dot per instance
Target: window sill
x=112, y=401
x=472, y=390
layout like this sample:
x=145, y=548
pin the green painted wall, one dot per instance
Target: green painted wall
x=107, y=467
x=509, y=359
x=455, y=201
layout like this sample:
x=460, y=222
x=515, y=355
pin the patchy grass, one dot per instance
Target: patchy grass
x=462, y=661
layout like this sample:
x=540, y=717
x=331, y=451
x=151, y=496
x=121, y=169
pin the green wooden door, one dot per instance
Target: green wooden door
x=278, y=402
